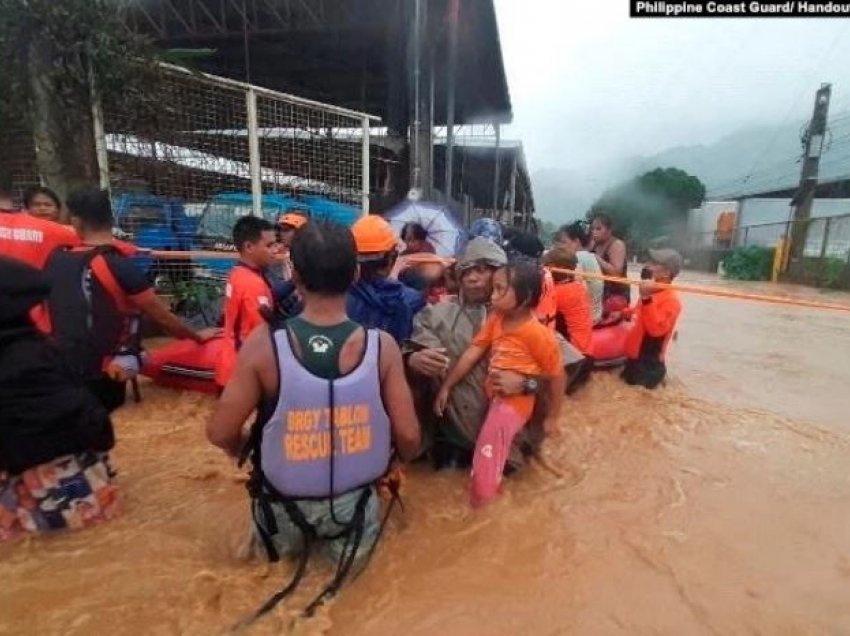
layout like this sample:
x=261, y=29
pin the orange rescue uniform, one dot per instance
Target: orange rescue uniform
x=574, y=319
x=29, y=239
x=247, y=291
x=32, y=240
x=653, y=324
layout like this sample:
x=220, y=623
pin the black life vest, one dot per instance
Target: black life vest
x=91, y=316
x=45, y=412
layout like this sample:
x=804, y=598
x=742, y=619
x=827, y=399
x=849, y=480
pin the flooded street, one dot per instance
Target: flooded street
x=717, y=505
x=788, y=360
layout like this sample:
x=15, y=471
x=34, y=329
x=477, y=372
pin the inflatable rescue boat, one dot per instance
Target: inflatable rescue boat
x=185, y=364
x=608, y=345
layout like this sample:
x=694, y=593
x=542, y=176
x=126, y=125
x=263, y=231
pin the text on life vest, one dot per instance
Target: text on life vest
x=307, y=434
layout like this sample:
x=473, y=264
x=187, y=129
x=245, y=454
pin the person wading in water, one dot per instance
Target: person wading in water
x=248, y=291
x=333, y=402
x=441, y=333
x=97, y=299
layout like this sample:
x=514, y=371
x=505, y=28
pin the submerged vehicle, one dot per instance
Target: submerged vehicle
x=215, y=225
x=152, y=222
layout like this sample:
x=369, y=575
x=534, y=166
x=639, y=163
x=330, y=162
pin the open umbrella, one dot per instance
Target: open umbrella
x=444, y=232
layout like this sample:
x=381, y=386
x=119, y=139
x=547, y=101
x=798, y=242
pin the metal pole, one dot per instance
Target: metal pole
x=496, y=168
x=365, y=167
x=431, y=91
x=451, y=81
x=246, y=47
x=415, y=154
x=101, y=149
x=513, y=187
x=254, y=153
x=823, y=247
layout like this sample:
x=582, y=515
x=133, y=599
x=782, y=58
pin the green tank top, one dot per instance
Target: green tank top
x=320, y=346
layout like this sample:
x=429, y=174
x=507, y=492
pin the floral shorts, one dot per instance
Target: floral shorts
x=70, y=492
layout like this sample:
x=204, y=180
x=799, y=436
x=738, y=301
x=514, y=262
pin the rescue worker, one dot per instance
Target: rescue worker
x=572, y=313
x=574, y=238
x=612, y=257
x=441, y=333
x=96, y=301
x=377, y=300
x=248, y=293
x=54, y=435
x=333, y=402
x=31, y=239
x=287, y=225
x=653, y=321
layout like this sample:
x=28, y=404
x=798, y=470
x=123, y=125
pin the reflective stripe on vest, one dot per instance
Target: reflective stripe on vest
x=296, y=442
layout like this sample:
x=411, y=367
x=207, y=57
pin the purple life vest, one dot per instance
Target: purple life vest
x=299, y=437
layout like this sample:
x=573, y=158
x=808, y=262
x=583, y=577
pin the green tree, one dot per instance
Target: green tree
x=653, y=206
x=51, y=52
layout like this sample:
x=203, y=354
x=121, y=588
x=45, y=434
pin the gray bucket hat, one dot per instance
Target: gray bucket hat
x=482, y=250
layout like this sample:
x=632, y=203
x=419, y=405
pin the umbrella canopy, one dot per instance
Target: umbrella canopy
x=444, y=232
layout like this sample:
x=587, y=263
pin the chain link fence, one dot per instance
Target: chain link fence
x=826, y=250
x=212, y=150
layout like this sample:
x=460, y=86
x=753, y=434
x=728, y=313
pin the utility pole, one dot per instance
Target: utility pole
x=802, y=201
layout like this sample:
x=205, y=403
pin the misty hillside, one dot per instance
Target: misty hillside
x=750, y=160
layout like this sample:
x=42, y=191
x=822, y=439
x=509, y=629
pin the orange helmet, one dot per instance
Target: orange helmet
x=293, y=220
x=373, y=236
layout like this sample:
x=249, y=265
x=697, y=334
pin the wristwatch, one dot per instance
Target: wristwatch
x=530, y=386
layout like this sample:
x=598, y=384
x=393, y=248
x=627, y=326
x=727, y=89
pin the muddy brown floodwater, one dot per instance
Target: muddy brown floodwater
x=718, y=505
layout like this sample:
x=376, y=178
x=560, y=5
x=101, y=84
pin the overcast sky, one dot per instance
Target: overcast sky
x=590, y=85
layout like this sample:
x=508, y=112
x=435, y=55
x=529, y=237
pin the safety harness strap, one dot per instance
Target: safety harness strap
x=353, y=532
x=263, y=494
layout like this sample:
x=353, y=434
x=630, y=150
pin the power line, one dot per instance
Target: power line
x=830, y=49
x=779, y=181
x=756, y=176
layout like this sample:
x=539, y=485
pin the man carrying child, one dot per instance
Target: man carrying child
x=518, y=342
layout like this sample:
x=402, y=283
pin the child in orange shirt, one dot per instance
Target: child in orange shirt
x=517, y=342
